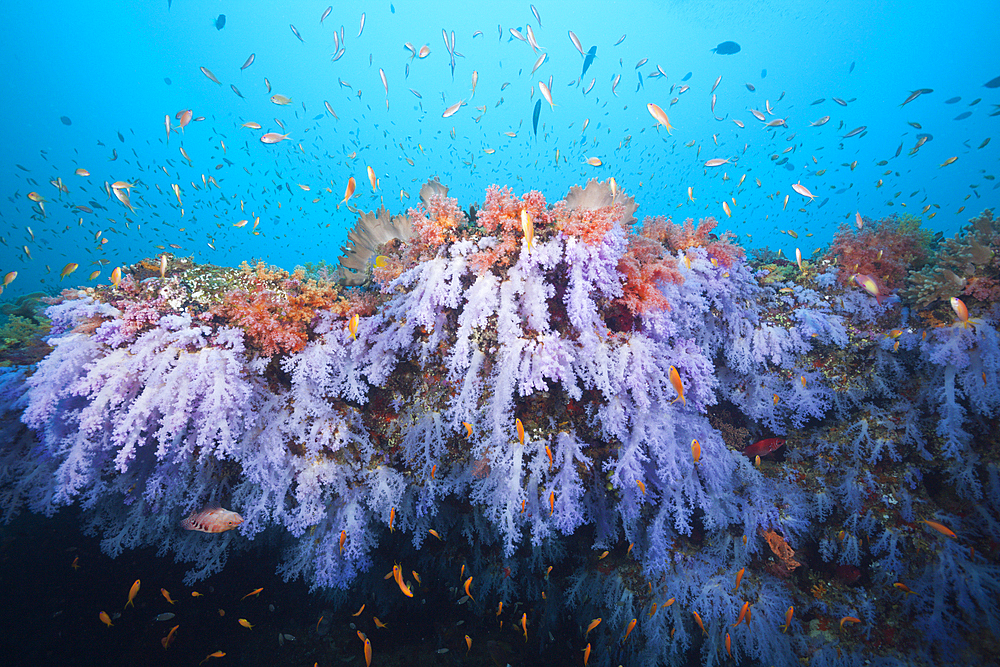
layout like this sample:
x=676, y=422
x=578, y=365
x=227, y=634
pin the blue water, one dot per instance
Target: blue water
x=103, y=65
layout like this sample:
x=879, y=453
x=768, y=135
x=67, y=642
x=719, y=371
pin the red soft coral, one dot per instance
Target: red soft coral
x=436, y=226
x=883, y=250
x=263, y=316
x=679, y=237
x=501, y=216
x=645, y=266
x=682, y=237
x=591, y=225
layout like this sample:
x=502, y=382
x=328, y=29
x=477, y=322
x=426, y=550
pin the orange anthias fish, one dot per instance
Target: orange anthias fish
x=593, y=624
x=675, y=379
x=701, y=625
x=528, y=227
x=939, y=527
x=739, y=578
x=788, y=619
x=105, y=619
x=743, y=614
x=351, y=184
x=252, y=593
x=631, y=626
x=696, y=451
x=212, y=520
x=368, y=652
x=398, y=576
x=169, y=639
x=217, y=654
x=961, y=311
x=166, y=595
x=661, y=118
x=520, y=431
x=468, y=582
x=868, y=284
x=132, y=592
x=272, y=138
x=848, y=619
x=524, y=625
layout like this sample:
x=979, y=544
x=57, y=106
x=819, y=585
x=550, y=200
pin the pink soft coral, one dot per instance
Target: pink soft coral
x=436, y=226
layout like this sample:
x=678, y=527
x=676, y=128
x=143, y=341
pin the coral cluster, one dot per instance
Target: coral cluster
x=564, y=398
x=965, y=264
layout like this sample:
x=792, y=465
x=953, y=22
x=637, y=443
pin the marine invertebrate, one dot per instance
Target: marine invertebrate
x=372, y=230
x=508, y=387
x=884, y=249
x=969, y=254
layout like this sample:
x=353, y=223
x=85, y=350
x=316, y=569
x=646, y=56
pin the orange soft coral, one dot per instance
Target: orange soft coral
x=591, y=225
x=263, y=316
x=645, y=266
x=681, y=237
x=501, y=216
x=436, y=226
x=786, y=563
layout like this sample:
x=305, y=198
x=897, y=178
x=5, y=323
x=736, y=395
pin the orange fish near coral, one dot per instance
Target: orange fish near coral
x=631, y=627
x=940, y=527
x=697, y=619
x=212, y=520
x=961, y=311
x=468, y=582
x=675, y=379
x=169, y=639
x=528, y=227
x=788, y=619
x=868, y=284
x=351, y=184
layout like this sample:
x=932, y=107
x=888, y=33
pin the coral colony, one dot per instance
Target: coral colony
x=592, y=417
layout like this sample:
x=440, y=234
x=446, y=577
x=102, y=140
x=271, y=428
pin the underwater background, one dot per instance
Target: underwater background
x=771, y=447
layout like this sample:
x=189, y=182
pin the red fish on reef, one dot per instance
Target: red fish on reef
x=212, y=520
x=763, y=447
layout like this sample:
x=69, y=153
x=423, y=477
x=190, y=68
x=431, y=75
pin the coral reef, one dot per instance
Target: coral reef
x=564, y=398
x=965, y=264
